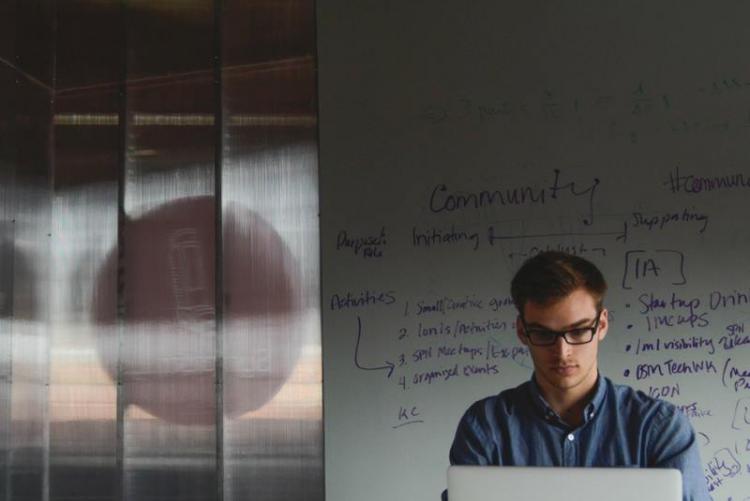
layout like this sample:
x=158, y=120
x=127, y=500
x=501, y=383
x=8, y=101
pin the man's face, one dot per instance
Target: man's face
x=563, y=367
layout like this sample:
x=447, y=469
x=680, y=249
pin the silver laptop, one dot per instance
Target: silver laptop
x=516, y=483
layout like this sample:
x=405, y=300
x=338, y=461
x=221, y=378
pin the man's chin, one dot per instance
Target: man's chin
x=565, y=372
x=565, y=380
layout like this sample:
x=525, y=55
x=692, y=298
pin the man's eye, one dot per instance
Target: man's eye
x=543, y=334
x=580, y=332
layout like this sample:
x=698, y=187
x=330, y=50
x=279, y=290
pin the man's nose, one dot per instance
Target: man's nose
x=561, y=346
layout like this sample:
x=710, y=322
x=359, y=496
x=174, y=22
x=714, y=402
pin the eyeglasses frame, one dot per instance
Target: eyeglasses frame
x=563, y=334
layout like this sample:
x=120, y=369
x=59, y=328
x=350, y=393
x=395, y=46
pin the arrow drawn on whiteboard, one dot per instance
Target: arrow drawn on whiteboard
x=388, y=365
x=619, y=235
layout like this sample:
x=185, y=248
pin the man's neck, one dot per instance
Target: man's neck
x=569, y=403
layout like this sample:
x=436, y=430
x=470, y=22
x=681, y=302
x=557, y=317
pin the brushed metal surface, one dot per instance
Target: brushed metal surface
x=28, y=430
x=83, y=354
x=115, y=124
x=272, y=363
x=30, y=91
x=7, y=248
x=168, y=337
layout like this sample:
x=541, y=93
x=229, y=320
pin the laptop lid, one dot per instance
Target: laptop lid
x=520, y=483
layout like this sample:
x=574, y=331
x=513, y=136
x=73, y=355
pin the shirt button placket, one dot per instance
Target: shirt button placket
x=569, y=450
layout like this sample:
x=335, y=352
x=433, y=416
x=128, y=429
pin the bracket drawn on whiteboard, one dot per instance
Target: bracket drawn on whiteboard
x=741, y=419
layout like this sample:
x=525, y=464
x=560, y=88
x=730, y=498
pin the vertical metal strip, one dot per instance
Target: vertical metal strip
x=14, y=156
x=320, y=254
x=48, y=311
x=219, y=247
x=11, y=316
x=11, y=313
x=121, y=306
x=13, y=162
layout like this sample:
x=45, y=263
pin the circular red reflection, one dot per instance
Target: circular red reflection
x=167, y=275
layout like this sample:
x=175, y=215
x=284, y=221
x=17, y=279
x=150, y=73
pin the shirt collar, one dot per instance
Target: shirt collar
x=544, y=409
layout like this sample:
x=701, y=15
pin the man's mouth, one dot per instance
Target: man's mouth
x=564, y=369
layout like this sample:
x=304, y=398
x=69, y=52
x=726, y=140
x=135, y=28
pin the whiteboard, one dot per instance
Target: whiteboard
x=459, y=138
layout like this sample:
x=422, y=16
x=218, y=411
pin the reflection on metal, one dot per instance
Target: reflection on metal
x=272, y=121
x=27, y=76
x=75, y=370
x=169, y=292
x=98, y=119
x=172, y=120
x=232, y=72
x=183, y=120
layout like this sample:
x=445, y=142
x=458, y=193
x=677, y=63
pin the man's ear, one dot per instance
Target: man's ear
x=603, y=324
x=519, y=331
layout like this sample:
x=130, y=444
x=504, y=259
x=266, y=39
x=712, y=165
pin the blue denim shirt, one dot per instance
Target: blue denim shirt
x=622, y=427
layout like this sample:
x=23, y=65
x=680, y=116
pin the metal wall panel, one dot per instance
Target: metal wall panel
x=33, y=62
x=168, y=337
x=7, y=248
x=116, y=239
x=8, y=85
x=83, y=352
x=8, y=18
x=272, y=364
x=30, y=329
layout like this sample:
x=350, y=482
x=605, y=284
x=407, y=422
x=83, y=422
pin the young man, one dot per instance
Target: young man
x=568, y=414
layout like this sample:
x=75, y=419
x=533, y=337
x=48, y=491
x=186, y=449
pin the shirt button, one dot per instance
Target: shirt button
x=571, y=437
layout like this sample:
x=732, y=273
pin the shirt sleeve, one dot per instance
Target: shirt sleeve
x=675, y=446
x=470, y=444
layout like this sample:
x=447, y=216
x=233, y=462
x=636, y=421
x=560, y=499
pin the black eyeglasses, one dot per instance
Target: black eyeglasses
x=548, y=337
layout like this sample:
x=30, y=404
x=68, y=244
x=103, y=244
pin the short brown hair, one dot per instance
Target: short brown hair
x=550, y=276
